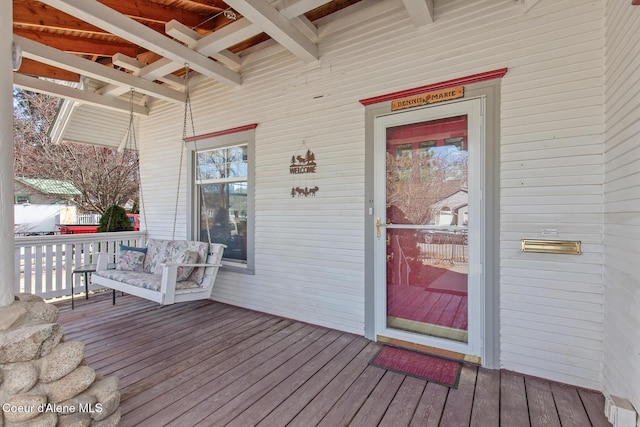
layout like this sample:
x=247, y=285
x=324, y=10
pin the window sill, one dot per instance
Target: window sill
x=237, y=268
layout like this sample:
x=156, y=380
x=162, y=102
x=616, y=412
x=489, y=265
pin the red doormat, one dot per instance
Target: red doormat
x=419, y=365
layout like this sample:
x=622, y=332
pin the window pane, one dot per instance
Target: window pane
x=237, y=162
x=222, y=163
x=223, y=212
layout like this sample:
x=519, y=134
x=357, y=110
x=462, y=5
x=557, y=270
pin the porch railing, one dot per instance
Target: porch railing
x=44, y=265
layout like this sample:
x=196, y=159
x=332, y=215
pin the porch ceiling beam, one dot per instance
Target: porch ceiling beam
x=277, y=26
x=420, y=11
x=49, y=88
x=217, y=41
x=306, y=27
x=186, y=35
x=227, y=36
x=300, y=7
x=132, y=64
x=114, y=22
x=244, y=29
x=54, y=57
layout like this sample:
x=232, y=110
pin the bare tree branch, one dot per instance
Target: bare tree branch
x=103, y=176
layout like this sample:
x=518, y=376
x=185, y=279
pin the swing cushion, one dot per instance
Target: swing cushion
x=152, y=282
x=160, y=252
x=188, y=257
x=131, y=258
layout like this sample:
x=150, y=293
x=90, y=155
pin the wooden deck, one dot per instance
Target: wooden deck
x=209, y=364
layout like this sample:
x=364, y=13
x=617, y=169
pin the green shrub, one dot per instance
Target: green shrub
x=114, y=219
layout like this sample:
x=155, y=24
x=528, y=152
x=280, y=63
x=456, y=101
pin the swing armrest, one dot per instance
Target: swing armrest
x=103, y=261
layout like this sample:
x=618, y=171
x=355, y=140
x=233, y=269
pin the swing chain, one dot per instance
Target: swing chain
x=187, y=101
x=188, y=119
x=131, y=138
x=131, y=144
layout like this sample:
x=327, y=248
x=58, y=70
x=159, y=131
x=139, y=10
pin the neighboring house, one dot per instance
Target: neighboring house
x=40, y=191
x=548, y=95
x=452, y=210
x=41, y=204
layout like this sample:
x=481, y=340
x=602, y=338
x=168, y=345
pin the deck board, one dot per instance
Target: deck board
x=457, y=410
x=486, y=408
x=312, y=355
x=291, y=384
x=542, y=407
x=208, y=363
x=570, y=408
x=404, y=403
x=374, y=408
x=593, y=403
x=321, y=404
x=431, y=405
x=514, y=408
x=295, y=402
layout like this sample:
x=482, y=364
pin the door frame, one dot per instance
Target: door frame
x=489, y=91
x=473, y=109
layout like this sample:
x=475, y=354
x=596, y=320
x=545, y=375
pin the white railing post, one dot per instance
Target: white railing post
x=7, y=265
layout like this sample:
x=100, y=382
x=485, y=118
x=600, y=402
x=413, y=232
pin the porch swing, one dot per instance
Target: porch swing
x=165, y=271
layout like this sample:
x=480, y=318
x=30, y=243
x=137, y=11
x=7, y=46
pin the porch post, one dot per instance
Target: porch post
x=7, y=256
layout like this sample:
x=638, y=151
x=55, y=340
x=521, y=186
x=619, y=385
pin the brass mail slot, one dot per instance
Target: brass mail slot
x=568, y=247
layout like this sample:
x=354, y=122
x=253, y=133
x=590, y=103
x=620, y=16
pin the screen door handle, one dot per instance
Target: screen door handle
x=379, y=226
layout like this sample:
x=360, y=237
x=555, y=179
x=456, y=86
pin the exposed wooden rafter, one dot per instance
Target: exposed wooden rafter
x=131, y=36
x=272, y=22
x=44, y=70
x=186, y=35
x=33, y=14
x=79, y=45
x=218, y=41
x=136, y=66
x=54, y=57
x=66, y=92
x=114, y=22
x=146, y=11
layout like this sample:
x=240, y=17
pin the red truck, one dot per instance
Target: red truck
x=93, y=228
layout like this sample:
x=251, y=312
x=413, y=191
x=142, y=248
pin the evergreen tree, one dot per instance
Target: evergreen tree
x=114, y=219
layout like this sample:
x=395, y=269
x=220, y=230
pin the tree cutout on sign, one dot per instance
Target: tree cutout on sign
x=307, y=160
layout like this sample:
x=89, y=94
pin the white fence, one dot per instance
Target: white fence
x=44, y=265
x=88, y=218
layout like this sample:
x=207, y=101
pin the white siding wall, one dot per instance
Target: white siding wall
x=551, y=179
x=622, y=202
x=310, y=252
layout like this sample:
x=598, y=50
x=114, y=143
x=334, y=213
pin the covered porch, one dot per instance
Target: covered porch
x=242, y=367
x=551, y=143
